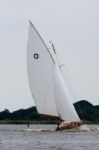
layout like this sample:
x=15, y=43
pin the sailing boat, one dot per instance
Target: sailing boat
x=48, y=86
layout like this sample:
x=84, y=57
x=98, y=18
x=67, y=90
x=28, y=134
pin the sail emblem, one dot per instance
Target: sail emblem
x=36, y=56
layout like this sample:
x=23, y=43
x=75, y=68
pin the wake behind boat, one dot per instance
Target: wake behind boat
x=47, y=83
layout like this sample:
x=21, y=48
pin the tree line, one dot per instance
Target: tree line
x=86, y=111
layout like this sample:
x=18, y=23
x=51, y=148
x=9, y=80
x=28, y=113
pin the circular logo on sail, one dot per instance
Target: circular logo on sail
x=36, y=56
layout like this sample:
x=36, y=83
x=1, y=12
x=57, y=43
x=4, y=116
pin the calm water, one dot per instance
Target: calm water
x=16, y=137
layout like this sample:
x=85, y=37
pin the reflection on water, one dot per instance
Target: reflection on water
x=16, y=137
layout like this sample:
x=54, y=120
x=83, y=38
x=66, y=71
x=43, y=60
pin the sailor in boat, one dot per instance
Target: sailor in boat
x=28, y=124
x=58, y=128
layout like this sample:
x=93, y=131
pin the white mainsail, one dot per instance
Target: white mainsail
x=48, y=87
x=40, y=72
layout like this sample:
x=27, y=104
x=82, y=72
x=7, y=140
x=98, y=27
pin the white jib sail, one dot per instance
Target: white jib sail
x=40, y=73
x=63, y=99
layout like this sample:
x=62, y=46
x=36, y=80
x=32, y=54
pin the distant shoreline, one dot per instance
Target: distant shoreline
x=87, y=112
x=35, y=122
x=26, y=122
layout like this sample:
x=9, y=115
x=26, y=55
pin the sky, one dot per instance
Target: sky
x=72, y=25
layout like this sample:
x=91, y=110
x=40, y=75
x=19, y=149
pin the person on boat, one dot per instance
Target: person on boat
x=28, y=124
x=57, y=128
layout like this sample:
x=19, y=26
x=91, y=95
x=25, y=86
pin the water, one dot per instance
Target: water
x=17, y=137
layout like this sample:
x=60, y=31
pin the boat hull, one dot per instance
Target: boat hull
x=69, y=126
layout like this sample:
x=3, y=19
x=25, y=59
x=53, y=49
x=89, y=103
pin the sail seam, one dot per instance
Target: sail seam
x=46, y=93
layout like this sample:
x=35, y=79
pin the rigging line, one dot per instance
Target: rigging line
x=55, y=54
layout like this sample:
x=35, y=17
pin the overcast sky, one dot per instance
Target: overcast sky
x=72, y=25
